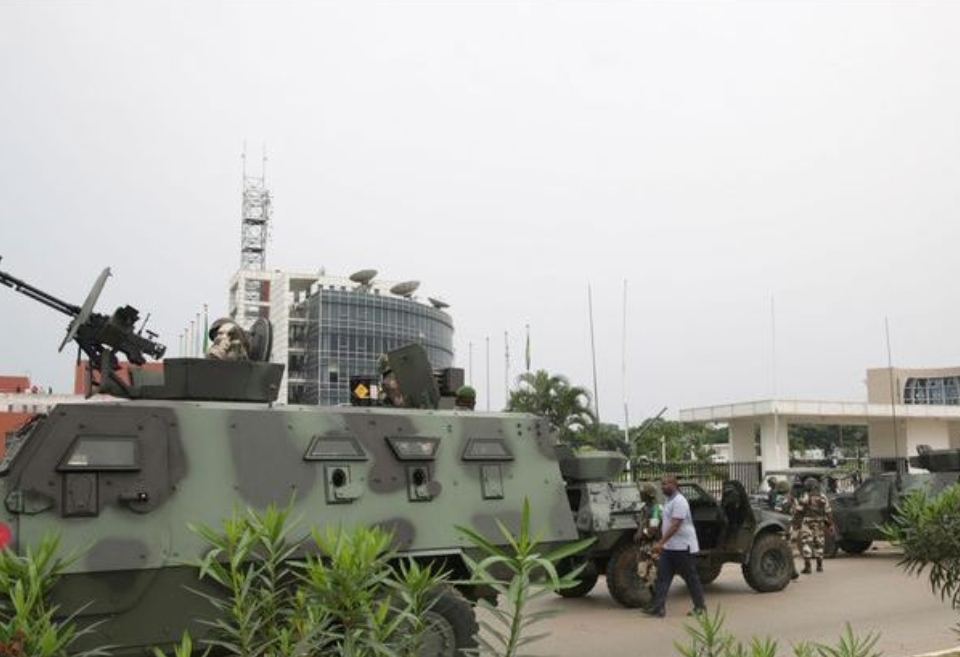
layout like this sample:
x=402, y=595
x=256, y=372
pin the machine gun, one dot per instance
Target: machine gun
x=99, y=337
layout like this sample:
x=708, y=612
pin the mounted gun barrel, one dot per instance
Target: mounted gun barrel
x=99, y=336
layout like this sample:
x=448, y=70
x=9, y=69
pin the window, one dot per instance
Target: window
x=414, y=448
x=335, y=448
x=487, y=449
x=102, y=453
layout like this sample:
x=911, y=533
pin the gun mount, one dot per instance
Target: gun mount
x=100, y=337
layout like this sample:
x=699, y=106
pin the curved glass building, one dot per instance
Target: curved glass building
x=346, y=328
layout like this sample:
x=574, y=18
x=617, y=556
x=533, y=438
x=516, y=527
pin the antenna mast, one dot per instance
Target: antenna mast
x=255, y=217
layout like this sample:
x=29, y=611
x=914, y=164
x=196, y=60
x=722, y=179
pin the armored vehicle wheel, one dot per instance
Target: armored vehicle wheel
x=853, y=546
x=629, y=581
x=588, y=577
x=708, y=570
x=770, y=564
x=451, y=626
x=830, y=546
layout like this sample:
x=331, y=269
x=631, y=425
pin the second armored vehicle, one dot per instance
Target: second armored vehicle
x=729, y=530
x=860, y=515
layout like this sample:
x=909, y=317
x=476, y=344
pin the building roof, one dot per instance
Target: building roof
x=838, y=412
x=14, y=384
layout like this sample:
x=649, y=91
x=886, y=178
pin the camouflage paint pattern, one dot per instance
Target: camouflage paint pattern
x=120, y=481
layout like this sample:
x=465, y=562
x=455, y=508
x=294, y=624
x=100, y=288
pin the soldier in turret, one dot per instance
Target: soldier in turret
x=466, y=398
x=812, y=518
x=390, y=394
x=228, y=341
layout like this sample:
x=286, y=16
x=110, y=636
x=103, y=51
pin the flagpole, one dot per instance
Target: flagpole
x=527, y=351
x=623, y=355
x=593, y=352
x=488, y=372
x=506, y=368
x=206, y=331
x=470, y=363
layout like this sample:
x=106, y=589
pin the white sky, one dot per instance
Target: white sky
x=716, y=155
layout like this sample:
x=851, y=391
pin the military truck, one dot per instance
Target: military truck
x=119, y=478
x=859, y=516
x=729, y=530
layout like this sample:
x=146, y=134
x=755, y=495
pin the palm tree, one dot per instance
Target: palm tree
x=564, y=406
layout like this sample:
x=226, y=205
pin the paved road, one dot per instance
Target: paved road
x=870, y=591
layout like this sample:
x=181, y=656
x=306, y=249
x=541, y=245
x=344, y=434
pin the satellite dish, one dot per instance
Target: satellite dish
x=405, y=289
x=87, y=308
x=439, y=304
x=364, y=276
x=261, y=340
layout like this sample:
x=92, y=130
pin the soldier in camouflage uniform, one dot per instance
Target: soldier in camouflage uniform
x=784, y=503
x=228, y=341
x=648, y=530
x=782, y=499
x=812, y=519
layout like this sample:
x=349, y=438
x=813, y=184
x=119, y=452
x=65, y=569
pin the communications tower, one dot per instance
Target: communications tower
x=255, y=227
x=254, y=297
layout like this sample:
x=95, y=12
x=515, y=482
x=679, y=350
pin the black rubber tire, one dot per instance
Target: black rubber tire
x=830, y=546
x=626, y=586
x=588, y=577
x=770, y=564
x=852, y=546
x=453, y=628
x=708, y=571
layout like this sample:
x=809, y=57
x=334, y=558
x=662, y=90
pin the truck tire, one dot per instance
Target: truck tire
x=708, y=570
x=770, y=564
x=588, y=577
x=624, y=581
x=853, y=546
x=452, y=626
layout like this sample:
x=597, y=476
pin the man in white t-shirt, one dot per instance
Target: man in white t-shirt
x=677, y=548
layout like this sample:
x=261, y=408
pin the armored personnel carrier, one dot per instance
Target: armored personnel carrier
x=119, y=480
x=859, y=516
x=729, y=530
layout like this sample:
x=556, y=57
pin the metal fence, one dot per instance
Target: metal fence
x=712, y=475
x=709, y=475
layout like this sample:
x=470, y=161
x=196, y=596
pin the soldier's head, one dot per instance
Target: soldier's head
x=648, y=492
x=466, y=398
x=811, y=485
x=782, y=486
x=229, y=341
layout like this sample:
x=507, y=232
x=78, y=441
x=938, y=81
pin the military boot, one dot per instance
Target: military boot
x=819, y=565
x=806, y=567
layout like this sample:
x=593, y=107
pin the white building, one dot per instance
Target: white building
x=923, y=409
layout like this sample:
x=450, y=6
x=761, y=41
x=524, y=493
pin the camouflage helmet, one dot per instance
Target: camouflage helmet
x=811, y=484
x=215, y=327
x=466, y=392
x=648, y=490
x=782, y=486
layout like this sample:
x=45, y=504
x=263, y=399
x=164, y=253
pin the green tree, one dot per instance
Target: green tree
x=679, y=441
x=566, y=407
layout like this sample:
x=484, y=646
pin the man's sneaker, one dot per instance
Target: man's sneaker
x=656, y=613
x=697, y=611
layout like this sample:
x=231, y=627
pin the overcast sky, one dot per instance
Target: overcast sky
x=771, y=179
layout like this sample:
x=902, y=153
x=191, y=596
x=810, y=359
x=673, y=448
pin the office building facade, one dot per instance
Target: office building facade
x=327, y=329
